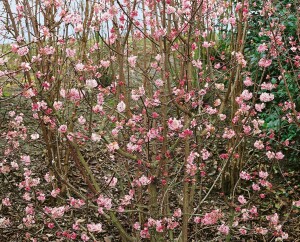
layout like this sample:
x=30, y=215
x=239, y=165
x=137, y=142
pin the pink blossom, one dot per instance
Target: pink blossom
x=211, y=218
x=202, y=92
x=144, y=180
x=154, y=65
x=158, y=57
x=78, y=28
x=243, y=231
x=104, y=63
x=265, y=183
x=190, y=166
x=159, y=226
x=246, y=95
x=111, y=181
x=132, y=61
x=44, y=30
x=26, y=159
x=261, y=230
x=240, y=58
x=100, y=99
x=211, y=110
x=84, y=237
x=50, y=225
x=186, y=133
x=217, y=66
x=284, y=235
x=113, y=146
x=151, y=222
x=222, y=116
x=56, y=212
x=14, y=165
x=121, y=107
x=95, y=137
x=79, y=67
x=266, y=97
x=273, y=219
x=75, y=94
x=263, y=174
x=95, y=228
x=25, y=66
x=29, y=93
x=14, y=48
x=23, y=51
x=223, y=229
x=238, y=6
x=172, y=224
x=91, y=83
x=225, y=21
x=245, y=176
x=26, y=196
x=46, y=85
x=28, y=221
x=137, y=226
x=228, y=133
x=264, y=62
x=259, y=107
x=242, y=199
x=35, y=59
x=247, y=129
x=217, y=102
x=270, y=155
x=191, y=169
x=232, y=21
x=205, y=154
x=47, y=50
x=206, y=44
x=48, y=178
x=81, y=120
x=135, y=95
x=55, y=192
x=62, y=93
x=170, y=9
x=11, y=113
x=174, y=124
x=197, y=220
x=41, y=197
x=259, y=144
x=70, y=52
x=248, y=82
x=76, y=203
x=177, y=213
x=97, y=108
x=255, y=187
x=279, y=155
x=197, y=63
x=34, y=136
x=267, y=86
x=104, y=202
x=253, y=210
x=70, y=136
x=297, y=203
x=29, y=209
x=220, y=86
x=263, y=47
x=6, y=202
x=145, y=233
x=63, y=128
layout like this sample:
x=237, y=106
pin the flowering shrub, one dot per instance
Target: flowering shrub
x=142, y=121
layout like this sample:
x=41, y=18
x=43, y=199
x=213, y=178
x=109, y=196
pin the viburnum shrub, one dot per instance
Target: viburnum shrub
x=143, y=120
